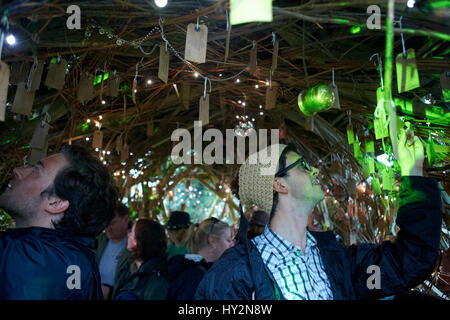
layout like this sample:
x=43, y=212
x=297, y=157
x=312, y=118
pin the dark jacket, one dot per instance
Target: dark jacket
x=185, y=275
x=34, y=265
x=149, y=282
x=241, y=274
x=122, y=268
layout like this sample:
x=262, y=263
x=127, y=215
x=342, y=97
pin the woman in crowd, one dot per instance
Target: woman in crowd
x=147, y=245
x=207, y=241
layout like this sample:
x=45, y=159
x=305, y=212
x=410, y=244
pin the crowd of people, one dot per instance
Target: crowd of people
x=74, y=239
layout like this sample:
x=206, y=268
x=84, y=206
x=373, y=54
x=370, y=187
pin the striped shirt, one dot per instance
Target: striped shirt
x=299, y=276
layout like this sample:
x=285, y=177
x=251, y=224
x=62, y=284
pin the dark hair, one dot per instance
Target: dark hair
x=89, y=188
x=151, y=241
x=121, y=210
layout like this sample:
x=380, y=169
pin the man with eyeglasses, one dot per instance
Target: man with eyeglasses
x=290, y=262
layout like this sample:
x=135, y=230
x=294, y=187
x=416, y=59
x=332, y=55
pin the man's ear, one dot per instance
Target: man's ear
x=56, y=205
x=279, y=187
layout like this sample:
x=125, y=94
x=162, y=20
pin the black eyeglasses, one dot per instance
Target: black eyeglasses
x=300, y=162
x=211, y=226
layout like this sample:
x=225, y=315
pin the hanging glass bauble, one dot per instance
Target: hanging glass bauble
x=319, y=98
x=245, y=127
x=110, y=35
x=101, y=31
x=119, y=42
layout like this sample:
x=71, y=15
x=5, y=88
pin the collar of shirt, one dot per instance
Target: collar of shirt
x=282, y=248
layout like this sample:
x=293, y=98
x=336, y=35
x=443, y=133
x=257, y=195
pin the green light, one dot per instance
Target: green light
x=84, y=127
x=355, y=29
x=133, y=214
x=440, y=4
x=98, y=79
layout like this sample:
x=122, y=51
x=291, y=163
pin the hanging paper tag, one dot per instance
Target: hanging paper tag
x=86, y=89
x=243, y=11
x=227, y=43
x=163, y=71
x=38, y=154
x=23, y=100
x=309, y=124
x=380, y=94
x=204, y=110
x=150, y=128
x=365, y=167
x=4, y=80
x=350, y=134
x=19, y=72
x=376, y=185
x=195, y=49
x=40, y=135
x=357, y=150
x=186, y=95
x=56, y=75
x=124, y=153
x=387, y=179
x=445, y=85
x=271, y=96
x=112, y=89
x=370, y=146
x=253, y=62
x=407, y=73
x=35, y=76
x=335, y=93
x=371, y=163
x=380, y=122
x=275, y=55
x=97, y=141
x=431, y=153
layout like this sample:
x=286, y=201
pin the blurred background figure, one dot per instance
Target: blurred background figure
x=177, y=229
x=147, y=244
x=112, y=254
x=257, y=223
x=207, y=241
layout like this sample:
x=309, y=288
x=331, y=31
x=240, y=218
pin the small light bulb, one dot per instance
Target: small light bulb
x=220, y=74
x=103, y=102
x=260, y=106
x=135, y=90
x=88, y=120
x=243, y=103
x=261, y=113
x=108, y=152
x=239, y=101
x=11, y=40
x=100, y=117
x=411, y=3
x=149, y=81
x=87, y=138
x=96, y=149
x=267, y=83
x=196, y=74
x=256, y=86
x=161, y=3
x=237, y=80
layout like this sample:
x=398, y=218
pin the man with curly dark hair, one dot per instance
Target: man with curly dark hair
x=59, y=206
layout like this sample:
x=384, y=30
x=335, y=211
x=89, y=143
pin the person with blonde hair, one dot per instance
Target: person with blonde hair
x=207, y=241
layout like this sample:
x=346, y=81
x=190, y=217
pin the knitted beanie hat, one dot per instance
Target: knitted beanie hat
x=257, y=175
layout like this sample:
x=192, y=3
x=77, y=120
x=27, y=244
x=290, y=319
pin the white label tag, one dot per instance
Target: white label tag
x=195, y=49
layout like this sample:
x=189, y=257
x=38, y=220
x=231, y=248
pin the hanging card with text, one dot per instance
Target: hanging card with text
x=38, y=154
x=335, y=93
x=40, y=135
x=86, y=88
x=407, y=72
x=243, y=11
x=56, y=74
x=23, y=100
x=97, y=141
x=19, y=72
x=163, y=70
x=35, y=76
x=204, y=110
x=275, y=55
x=112, y=87
x=271, y=96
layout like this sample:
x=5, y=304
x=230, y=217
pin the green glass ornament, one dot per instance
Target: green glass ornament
x=101, y=31
x=316, y=99
x=119, y=42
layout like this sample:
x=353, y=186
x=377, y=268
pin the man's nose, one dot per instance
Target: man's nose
x=20, y=172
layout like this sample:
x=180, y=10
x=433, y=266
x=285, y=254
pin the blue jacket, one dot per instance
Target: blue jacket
x=241, y=274
x=185, y=275
x=34, y=265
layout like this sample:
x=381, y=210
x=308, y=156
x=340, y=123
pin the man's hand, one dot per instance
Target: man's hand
x=410, y=153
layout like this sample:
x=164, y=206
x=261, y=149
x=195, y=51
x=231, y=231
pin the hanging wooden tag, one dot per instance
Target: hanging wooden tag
x=380, y=121
x=445, y=85
x=38, y=154
x=271, y=96
x=387, y=179
x=275, y=55
x=40, y=135
x=56, y=75
x=380, y=94
x=134, y=90
x=19, y=72
x=376, y=185
x=243, y=11
x=4, y=80
x=124, y=153
x=227, y=43
x=23, y=100
x=204, y=110
x=350, y=134
x=253, y=59
x=119, y=144
x=186, y=95
x=35, y=76
x=195, y=49
x=86, y=89
x=112, y=88
x=97, y=141
x=407, y=72
x=150, y=128
x=309, y=124
x=335, y=93
x=163, y=71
